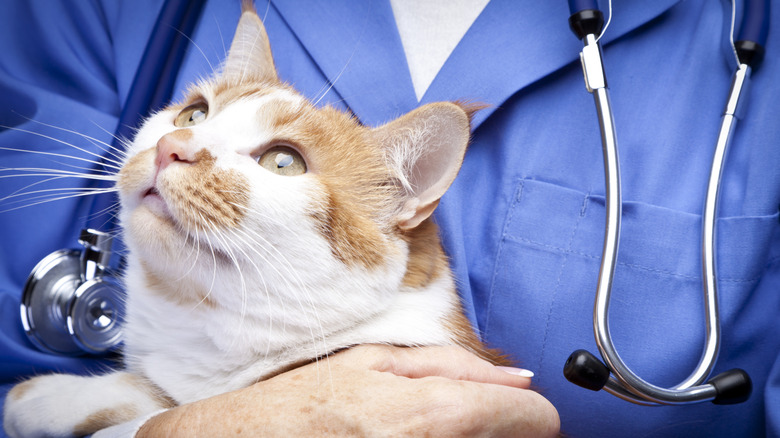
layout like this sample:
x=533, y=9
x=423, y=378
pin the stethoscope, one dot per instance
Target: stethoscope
x=72, y=305
x=583, y=368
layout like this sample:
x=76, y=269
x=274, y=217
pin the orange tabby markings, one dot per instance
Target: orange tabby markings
x=207, y=197
x=105, y=418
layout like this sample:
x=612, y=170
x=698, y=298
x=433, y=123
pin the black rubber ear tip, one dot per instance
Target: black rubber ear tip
x=733, y=386
x=586, y=22
x=585, y=370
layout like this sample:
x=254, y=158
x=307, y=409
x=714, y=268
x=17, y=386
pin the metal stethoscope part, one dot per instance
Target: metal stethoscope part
x=71, y=305
x=582, y=367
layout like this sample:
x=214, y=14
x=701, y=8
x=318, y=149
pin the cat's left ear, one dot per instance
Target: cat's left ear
x=250, y=52
x=426, y=149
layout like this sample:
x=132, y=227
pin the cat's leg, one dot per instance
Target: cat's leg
x=68, y=405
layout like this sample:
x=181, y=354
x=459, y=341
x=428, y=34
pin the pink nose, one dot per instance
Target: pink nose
x=175, y=146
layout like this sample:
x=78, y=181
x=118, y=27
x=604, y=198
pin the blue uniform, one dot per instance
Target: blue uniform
x=524, y=221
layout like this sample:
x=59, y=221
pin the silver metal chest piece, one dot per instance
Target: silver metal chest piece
x=70, y=304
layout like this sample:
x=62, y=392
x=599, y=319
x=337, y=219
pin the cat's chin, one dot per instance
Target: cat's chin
x=156, y=204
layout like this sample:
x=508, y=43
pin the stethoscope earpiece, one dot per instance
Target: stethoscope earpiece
x=583, y=369
x=70, y=304
x=733, y=386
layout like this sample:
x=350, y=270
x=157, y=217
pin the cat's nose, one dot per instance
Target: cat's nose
x=175, y=146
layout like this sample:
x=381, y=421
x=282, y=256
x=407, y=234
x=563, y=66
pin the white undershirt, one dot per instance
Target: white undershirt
x=430, y=30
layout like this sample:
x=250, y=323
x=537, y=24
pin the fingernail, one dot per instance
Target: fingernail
x=517, y=371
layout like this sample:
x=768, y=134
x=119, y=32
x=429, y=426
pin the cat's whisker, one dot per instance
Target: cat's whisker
x=42, y=193
x=197, y=240
x=104, y=161
x=194, y=248
x=50, y=178
x=44, y=172
x=88, y=192
x=332, y=83
x=54, y=154
x=259, y=271
x=214, y=264
x=318, y=351
x=227, y=249
x=193, y=43
x=296, y=284
x=302, y=286
x=221, y=37
x=267, y=10
x=118, y=152
x=90, y=170
x=112, y=210
x=108, y=148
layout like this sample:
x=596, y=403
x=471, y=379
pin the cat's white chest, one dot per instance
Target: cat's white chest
x=207, y=350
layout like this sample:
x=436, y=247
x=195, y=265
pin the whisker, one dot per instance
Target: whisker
x=228, y=250
x=112, y=209
x=194, y=249
x=54, y=176
x=54, y=154
x=52, y=190
x=214, y=261
x=192, y=43
x=268, y=247
x=102, y=145
x=331, y=83
x=265, y=286
x=125, y=144
x=113, y=163
x=221, y=37
x=59, y=198
x=25, y=191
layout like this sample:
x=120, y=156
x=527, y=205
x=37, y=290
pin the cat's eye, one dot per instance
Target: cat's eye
x=283, y=160
x=192, y=115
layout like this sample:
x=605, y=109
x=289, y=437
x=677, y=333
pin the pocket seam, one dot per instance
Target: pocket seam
x=516, y=196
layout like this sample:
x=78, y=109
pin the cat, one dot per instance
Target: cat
x=263, y=233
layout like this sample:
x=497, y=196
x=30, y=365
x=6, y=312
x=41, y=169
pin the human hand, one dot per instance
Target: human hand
x=373, y=390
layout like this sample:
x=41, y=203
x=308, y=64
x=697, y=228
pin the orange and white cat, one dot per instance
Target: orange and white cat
x=264, y=233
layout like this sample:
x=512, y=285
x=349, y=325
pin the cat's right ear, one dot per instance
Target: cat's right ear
x=250, y=52
x=426, y=149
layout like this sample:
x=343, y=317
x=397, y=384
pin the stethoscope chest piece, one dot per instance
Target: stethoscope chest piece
x=70, y=305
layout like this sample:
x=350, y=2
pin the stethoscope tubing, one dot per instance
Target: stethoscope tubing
x=617, y=378
x=625, y=383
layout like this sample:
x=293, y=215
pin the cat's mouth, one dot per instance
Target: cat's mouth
x=155, y=202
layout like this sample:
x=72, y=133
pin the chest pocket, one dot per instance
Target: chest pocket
x=549, y=256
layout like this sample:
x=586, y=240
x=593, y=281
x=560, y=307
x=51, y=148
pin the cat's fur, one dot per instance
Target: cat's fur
x=236, y=273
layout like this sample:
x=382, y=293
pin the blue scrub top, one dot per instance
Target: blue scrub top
x=524, y=221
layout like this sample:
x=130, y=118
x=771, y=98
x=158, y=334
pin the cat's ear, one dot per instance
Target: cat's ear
x=250, y=51
x=426, y=149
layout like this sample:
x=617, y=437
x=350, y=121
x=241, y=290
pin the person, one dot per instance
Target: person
x=523, y=223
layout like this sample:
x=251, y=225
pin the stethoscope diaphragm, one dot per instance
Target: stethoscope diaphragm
x=70, y=305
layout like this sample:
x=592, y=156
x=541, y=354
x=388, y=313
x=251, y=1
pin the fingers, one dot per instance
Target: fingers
x=443, y=361
x=502, y=411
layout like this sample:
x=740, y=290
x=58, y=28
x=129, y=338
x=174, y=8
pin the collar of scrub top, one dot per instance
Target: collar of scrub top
x=496, y=46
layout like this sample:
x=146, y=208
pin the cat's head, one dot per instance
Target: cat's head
x=247, y=176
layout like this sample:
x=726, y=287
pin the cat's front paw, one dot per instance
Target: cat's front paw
x=38, y=407
x=64, y=405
